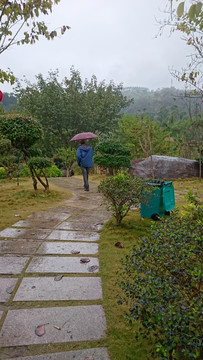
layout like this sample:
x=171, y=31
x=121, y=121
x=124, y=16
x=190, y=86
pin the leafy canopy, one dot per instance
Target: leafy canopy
x=19, y=25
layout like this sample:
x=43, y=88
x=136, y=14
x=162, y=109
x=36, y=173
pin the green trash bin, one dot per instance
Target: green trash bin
x=161, y=201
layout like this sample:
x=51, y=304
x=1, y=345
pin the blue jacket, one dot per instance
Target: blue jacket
x=84, y=156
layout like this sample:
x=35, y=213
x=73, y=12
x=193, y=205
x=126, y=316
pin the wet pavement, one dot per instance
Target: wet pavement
x=47, y=262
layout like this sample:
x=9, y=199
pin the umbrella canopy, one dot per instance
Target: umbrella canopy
x=84, y=136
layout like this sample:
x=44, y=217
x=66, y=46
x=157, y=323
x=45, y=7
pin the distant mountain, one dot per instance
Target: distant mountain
x=160, y=101
x=9, y=101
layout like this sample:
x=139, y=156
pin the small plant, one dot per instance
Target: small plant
x=122, y=192
x=161, y=279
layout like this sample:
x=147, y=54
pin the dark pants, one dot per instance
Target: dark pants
x=85, y=173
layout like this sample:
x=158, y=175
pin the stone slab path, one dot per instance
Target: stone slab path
x=42, y=269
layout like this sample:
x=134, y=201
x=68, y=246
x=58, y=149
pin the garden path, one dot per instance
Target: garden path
x=51, y=301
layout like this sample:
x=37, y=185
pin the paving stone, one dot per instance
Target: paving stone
x=65, y=248
x=19, y=246
x=6, y=287
x=91, y=354
x=24, y=233
x=73, y=235
x=12, y=264
x=39, y=223
x=79, y=226
x=50, y=216
x=68, y=288
x=66, y=210
x=87, y=204
x=1, y=313
x=54, y=264
x=77, y=323
x=94, y=220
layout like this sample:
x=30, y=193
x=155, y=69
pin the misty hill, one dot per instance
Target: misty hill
x=161, y=102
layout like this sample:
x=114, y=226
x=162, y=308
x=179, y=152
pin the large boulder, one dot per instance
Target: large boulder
x=165, y=167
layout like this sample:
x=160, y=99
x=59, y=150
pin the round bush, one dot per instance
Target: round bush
x=2, y=173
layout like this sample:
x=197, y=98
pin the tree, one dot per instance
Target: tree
x=143, y=137
x=68, y=107
x=19, y=25
x=189, y=21
x=112, y=156
x=68, y=157
x=24, y=133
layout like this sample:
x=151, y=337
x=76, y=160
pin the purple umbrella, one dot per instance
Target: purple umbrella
x=84, y=136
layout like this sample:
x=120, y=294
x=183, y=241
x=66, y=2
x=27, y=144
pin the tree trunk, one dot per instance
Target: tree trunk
x=200, y=164
x=34, y=180
x=44, y=184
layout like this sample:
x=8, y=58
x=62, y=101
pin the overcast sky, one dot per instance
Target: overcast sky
x=112, y=39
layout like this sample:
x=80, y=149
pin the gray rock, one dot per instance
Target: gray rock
x=165, y=167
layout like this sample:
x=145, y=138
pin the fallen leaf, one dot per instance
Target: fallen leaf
x=58, y=277
x=40, y=330
x=9, y=290
x=119, y=244
x=93, y=268
x=84, y=260
x=75, y=252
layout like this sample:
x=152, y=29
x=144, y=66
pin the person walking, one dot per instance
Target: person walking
x=85, y=161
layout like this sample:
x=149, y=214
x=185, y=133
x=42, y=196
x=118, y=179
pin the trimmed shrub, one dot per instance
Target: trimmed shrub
x=122, y=192
x=161, y=280
x=2, y=173
x=53, y=171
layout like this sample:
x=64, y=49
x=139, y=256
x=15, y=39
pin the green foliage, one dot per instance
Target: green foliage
x=161, y=280
x=2, y=173
x=67, y=157
x=77, y=107
x=15, y=15
x=53, y=171
x=190, y=23
x=144, y=137
x=8, y=158
x=39, y=162
x=22, y=131
x=23, y=171
x=112, y=156
x=122, y=192
x=9, y=102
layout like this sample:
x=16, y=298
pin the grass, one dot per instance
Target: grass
x=17, y=202
x=22, y=200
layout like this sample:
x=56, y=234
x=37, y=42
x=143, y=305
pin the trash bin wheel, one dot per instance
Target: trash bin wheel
x=155, y=217
x=167, y=213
